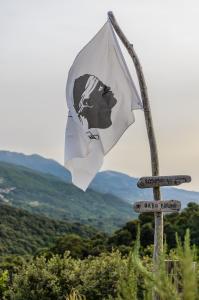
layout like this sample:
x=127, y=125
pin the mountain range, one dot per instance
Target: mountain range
x=106, y=182
x=39, y=204
x=47, y=195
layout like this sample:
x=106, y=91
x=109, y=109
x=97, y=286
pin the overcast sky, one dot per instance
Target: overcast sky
x=39, y=41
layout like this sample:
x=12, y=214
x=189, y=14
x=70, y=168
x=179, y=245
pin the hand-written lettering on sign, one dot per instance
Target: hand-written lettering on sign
x=155, y=181
x=157, y=206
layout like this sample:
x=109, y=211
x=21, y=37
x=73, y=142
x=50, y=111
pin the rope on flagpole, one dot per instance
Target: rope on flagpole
x=158, y=235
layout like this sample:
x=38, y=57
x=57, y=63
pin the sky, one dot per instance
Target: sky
x=39, y=42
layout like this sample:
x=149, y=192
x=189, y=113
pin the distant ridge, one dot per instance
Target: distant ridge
x=37, y=163
x=126, y=188
x=106, y=182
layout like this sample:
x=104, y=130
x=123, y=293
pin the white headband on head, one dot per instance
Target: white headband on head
x=89, y=88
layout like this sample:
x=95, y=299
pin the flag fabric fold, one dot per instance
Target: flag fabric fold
x=101, y=97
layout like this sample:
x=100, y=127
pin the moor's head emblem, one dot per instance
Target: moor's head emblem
x=93, y=100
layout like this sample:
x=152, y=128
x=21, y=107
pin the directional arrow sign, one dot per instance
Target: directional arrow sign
x=155, y=181
x=157, y=206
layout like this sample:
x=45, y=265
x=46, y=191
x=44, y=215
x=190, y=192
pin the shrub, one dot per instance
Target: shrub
x=94, y=277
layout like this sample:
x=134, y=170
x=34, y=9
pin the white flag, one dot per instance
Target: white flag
x=101, y=97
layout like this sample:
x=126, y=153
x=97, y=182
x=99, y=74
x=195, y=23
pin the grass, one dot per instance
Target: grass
x=181, y=283
x=74, y=295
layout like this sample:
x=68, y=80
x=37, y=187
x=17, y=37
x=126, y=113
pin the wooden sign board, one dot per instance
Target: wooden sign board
x=157, y=206
x=155, y=181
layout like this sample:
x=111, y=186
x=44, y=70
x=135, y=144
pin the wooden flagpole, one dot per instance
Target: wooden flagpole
x=158, y=235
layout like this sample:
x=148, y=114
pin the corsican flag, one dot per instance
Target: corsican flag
x=101, y=97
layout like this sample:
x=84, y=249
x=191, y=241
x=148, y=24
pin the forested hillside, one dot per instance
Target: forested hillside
x=124, y=238
x=45, y=194
x=24, y=233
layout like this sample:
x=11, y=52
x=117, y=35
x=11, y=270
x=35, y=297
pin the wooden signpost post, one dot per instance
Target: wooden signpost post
x=155, y=181
x=158, y=216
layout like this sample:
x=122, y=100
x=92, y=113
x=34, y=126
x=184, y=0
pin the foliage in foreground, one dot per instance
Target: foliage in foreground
x=107, y=277
x=95, y=278
x=74, y=295
x=181, y=282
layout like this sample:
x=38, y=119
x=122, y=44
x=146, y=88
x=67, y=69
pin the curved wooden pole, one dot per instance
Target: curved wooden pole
x=158, y=236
